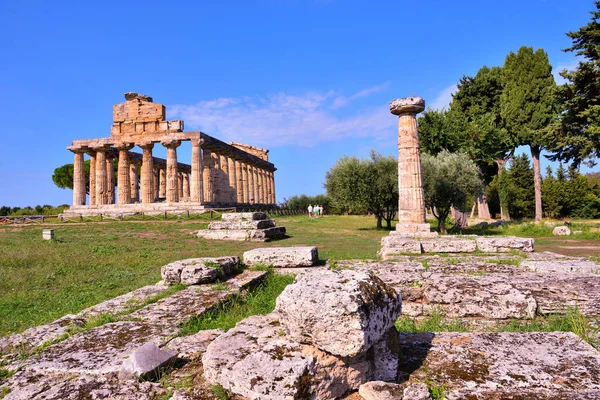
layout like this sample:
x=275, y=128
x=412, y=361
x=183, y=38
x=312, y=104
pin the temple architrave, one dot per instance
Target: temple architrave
x=221, y=174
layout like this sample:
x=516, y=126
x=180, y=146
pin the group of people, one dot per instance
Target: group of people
x=316, y=211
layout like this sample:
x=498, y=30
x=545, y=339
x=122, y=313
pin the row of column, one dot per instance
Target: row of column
x=214, y=178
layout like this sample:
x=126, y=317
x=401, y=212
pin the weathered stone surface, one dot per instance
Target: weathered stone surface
x=224, y=234
x=504, y=244
x=100, y=350
x=193, y=346
x=145, y=361
x=417, y=391
x=248, y=216
x=448, y=244
x=258, y=360
x=265, y=235
x=561, y=231
x=342, y=312
x=283, y=257
x=568, y=265
x=501, y=365
x=252, y=224
x=193, y=271
x=379, y=390
x=124, y=302
x=396, y=244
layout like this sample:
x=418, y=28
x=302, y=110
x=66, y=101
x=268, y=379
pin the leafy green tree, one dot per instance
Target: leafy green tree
x=63, y=176
x=528, y=106
x=369, y=185
x=515, y=188
x=448, y=180
x=551, y=194
x=302, y=201
x=579, y=98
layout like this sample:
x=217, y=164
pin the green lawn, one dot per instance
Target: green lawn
x=92, y=262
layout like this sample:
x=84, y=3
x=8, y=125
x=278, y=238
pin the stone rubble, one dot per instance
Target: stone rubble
x=146, y=361
x=195, y=271
x=283, y=257
x=254, y=227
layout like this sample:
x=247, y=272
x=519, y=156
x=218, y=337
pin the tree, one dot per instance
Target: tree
x=579, y=99
x=63, y=176
x=528, y=106
x=368, y=185
x=448, y=179
x=515, y=188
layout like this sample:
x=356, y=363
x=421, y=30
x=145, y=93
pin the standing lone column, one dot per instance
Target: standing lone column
x=147, y=178
x=124, y=179
x=196, y=173
x=172, y=175
x=78, y=178
x=411, y=204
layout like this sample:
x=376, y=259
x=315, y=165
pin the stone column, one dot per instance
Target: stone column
x=232, y=180
x=251, y=193
x=92, y=155
x=196, y=173
x=216, y=174
x=101, y=176
x=124, y=179
x=78, y=178
x=273, y=198
x=207, y=175
x=256, y=183
x=239, y=184
x=180, y=184
x=411, y=204
x=269, y=187
x=156, y=183
x=186, y=186
x=172, y=173
x=162, y=178
x=110, y=181
x=263, y=187
x=245, y=183
x=147, y=176
x=133, y=181
x=225, y=189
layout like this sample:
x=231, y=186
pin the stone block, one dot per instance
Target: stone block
x=397, y=244
x=224, y=234
x=248, y=216
x=342, y=312
x=561, y=231
x=448, y=244
x=265, y=235
x=283, y=257
x=145, y=362
x=575, y=266
x=48, y=234
x=252, y=224
x=504, y=244
x=193, y=346
x=380, y=390
x=194, y=271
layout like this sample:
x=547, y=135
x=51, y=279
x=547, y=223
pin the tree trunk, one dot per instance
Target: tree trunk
x=379, y=219
x=473, y=209
x=537, y=182
x=501, y=162
x=483, y=209
x=460, y=219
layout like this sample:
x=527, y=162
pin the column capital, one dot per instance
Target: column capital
x=123, y=146
x=78, y=150
x=407, y=105
x=170, y=143
x=146, y=145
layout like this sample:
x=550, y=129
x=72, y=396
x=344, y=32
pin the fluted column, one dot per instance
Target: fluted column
x=173, y=193
x=216, y=177
x=245, y=183
x=133, y=181
x=156, y=182
x=147, y=175
x=251, y=193
x=196, y=173
x=224, y=181
x=263, y=187
x=92, y=155
x=101, y=176
x=232, y=180
x=411, y=204
x=186, y=186
x=124, y=179
x=239, y=184
x=269, y=187
x=78, y=178
x=256, y=183
x=207, y=175
x=273, y=198
x=162, y=178
x=180, y=184
x=110, y=181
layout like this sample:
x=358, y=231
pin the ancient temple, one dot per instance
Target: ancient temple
x=220, y=174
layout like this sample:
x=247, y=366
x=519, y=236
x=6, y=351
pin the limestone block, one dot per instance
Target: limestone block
x=523, y=365
x=252, y=224
x=504, y=244
x=224, y=234
x=265, y=235
x=248, y=216
x=417, y=391
x=283, y=257
x=146, y=361
x=342, y=312
x=561, y=231
x=380, y=390
x=193, y=271
x=258, y=360
x=397, y=244
x=569, y=265
x=193, y=346
x=448, y=244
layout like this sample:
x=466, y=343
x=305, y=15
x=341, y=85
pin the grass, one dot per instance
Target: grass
x=434, y=323
x=260, y=300
x=220, y=392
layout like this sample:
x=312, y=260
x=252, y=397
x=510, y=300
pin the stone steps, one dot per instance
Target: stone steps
x=254, y=227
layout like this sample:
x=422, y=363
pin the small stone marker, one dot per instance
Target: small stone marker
x=561, y=231
x=48, y=234
x=145, y=361
x=283, y=257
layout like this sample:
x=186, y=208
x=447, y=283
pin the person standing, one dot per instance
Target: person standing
x=310, y=210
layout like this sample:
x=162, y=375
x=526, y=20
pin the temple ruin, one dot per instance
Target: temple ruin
x=220, y=174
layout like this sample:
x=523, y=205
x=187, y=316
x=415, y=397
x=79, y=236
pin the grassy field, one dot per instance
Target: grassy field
x=91, y=262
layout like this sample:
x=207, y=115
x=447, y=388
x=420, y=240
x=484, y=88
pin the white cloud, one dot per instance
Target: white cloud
x=443, y=99
x=283, y=119
x=568, y=66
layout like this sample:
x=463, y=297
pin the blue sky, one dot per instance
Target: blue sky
x=309, y=80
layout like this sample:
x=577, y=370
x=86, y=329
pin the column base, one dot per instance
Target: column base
x=414, y=230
